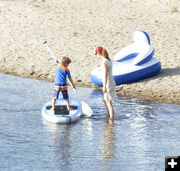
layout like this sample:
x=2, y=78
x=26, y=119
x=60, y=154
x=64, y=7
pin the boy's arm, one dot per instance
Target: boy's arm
x=72, y=83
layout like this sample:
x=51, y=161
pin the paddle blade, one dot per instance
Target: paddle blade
x=86, y=110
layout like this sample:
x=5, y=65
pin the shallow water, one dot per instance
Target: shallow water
x=141, y=136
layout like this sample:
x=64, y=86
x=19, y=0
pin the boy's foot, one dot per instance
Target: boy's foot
x=52, y=111
x=69, y=108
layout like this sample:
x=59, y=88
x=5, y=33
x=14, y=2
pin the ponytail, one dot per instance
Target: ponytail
x=105, y=54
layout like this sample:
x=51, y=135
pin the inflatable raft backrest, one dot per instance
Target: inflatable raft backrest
x=141, y=38
x=145, y=54
x=126, y=53
x=141, y=50
x=143, y=46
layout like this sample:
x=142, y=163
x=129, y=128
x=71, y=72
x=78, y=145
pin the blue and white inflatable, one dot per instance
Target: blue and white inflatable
x=132, y=63
x=62, y=115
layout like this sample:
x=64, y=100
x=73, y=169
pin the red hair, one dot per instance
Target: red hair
x=105, y=54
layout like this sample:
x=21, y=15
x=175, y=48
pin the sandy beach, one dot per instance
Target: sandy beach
x=75, y=27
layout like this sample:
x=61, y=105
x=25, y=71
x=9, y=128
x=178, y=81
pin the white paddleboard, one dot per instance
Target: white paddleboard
x=62, y=115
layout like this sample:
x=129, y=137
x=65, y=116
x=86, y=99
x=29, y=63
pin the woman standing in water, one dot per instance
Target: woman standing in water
x=108, y=80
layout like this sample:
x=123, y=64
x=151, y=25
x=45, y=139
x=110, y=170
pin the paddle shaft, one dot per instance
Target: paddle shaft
x=45, y=43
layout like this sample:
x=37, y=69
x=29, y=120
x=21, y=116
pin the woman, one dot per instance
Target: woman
x=108, y=80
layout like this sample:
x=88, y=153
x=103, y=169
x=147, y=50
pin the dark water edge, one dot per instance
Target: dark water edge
x=148, y=94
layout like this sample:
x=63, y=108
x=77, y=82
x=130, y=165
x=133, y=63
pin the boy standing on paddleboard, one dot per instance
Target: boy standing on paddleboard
x=60, y=85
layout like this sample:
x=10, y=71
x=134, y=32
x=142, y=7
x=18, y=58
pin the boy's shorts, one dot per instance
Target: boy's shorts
x=60, y=88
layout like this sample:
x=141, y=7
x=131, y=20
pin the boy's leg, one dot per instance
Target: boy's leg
x=53, y=103
x=52, y=110
x=55, y=97
x=66, y=97
x=68, y=106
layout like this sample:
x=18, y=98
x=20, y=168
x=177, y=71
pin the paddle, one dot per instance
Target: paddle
x=86, y=110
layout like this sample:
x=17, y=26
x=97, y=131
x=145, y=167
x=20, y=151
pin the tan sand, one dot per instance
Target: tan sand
x=75, y=27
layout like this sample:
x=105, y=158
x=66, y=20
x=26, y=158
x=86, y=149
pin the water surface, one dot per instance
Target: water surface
x=142, y=134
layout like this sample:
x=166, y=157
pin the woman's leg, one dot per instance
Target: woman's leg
x=111, y=109
x=107, y=108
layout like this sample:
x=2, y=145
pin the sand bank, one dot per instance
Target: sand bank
x=75, y=27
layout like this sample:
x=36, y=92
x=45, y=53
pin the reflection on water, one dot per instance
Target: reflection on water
x=108, y=146
x=61, y=145
x=139, y=138
x=108, y=140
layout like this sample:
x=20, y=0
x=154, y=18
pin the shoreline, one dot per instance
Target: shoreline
x=130, y=90
x=75, y=28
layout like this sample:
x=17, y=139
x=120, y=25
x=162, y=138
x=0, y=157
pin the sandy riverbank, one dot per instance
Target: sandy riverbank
x=75, y=27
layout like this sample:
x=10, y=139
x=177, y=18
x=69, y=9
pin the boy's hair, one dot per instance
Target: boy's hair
x=65, y=59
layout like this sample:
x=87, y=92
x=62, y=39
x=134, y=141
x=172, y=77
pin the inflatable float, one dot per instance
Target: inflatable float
x=132, y=63
x=62, y=115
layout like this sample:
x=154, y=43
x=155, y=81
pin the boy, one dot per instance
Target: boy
x=62, y=72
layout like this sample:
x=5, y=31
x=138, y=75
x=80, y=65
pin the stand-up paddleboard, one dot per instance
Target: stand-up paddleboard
x=62, y=115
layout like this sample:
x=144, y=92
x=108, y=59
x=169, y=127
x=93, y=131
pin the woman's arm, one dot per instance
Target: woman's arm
x=105, y=77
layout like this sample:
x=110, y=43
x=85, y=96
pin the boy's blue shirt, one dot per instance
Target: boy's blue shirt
x=61, y=74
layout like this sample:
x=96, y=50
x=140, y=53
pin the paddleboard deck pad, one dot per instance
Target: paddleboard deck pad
x=61, y=109
x=62, y=115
